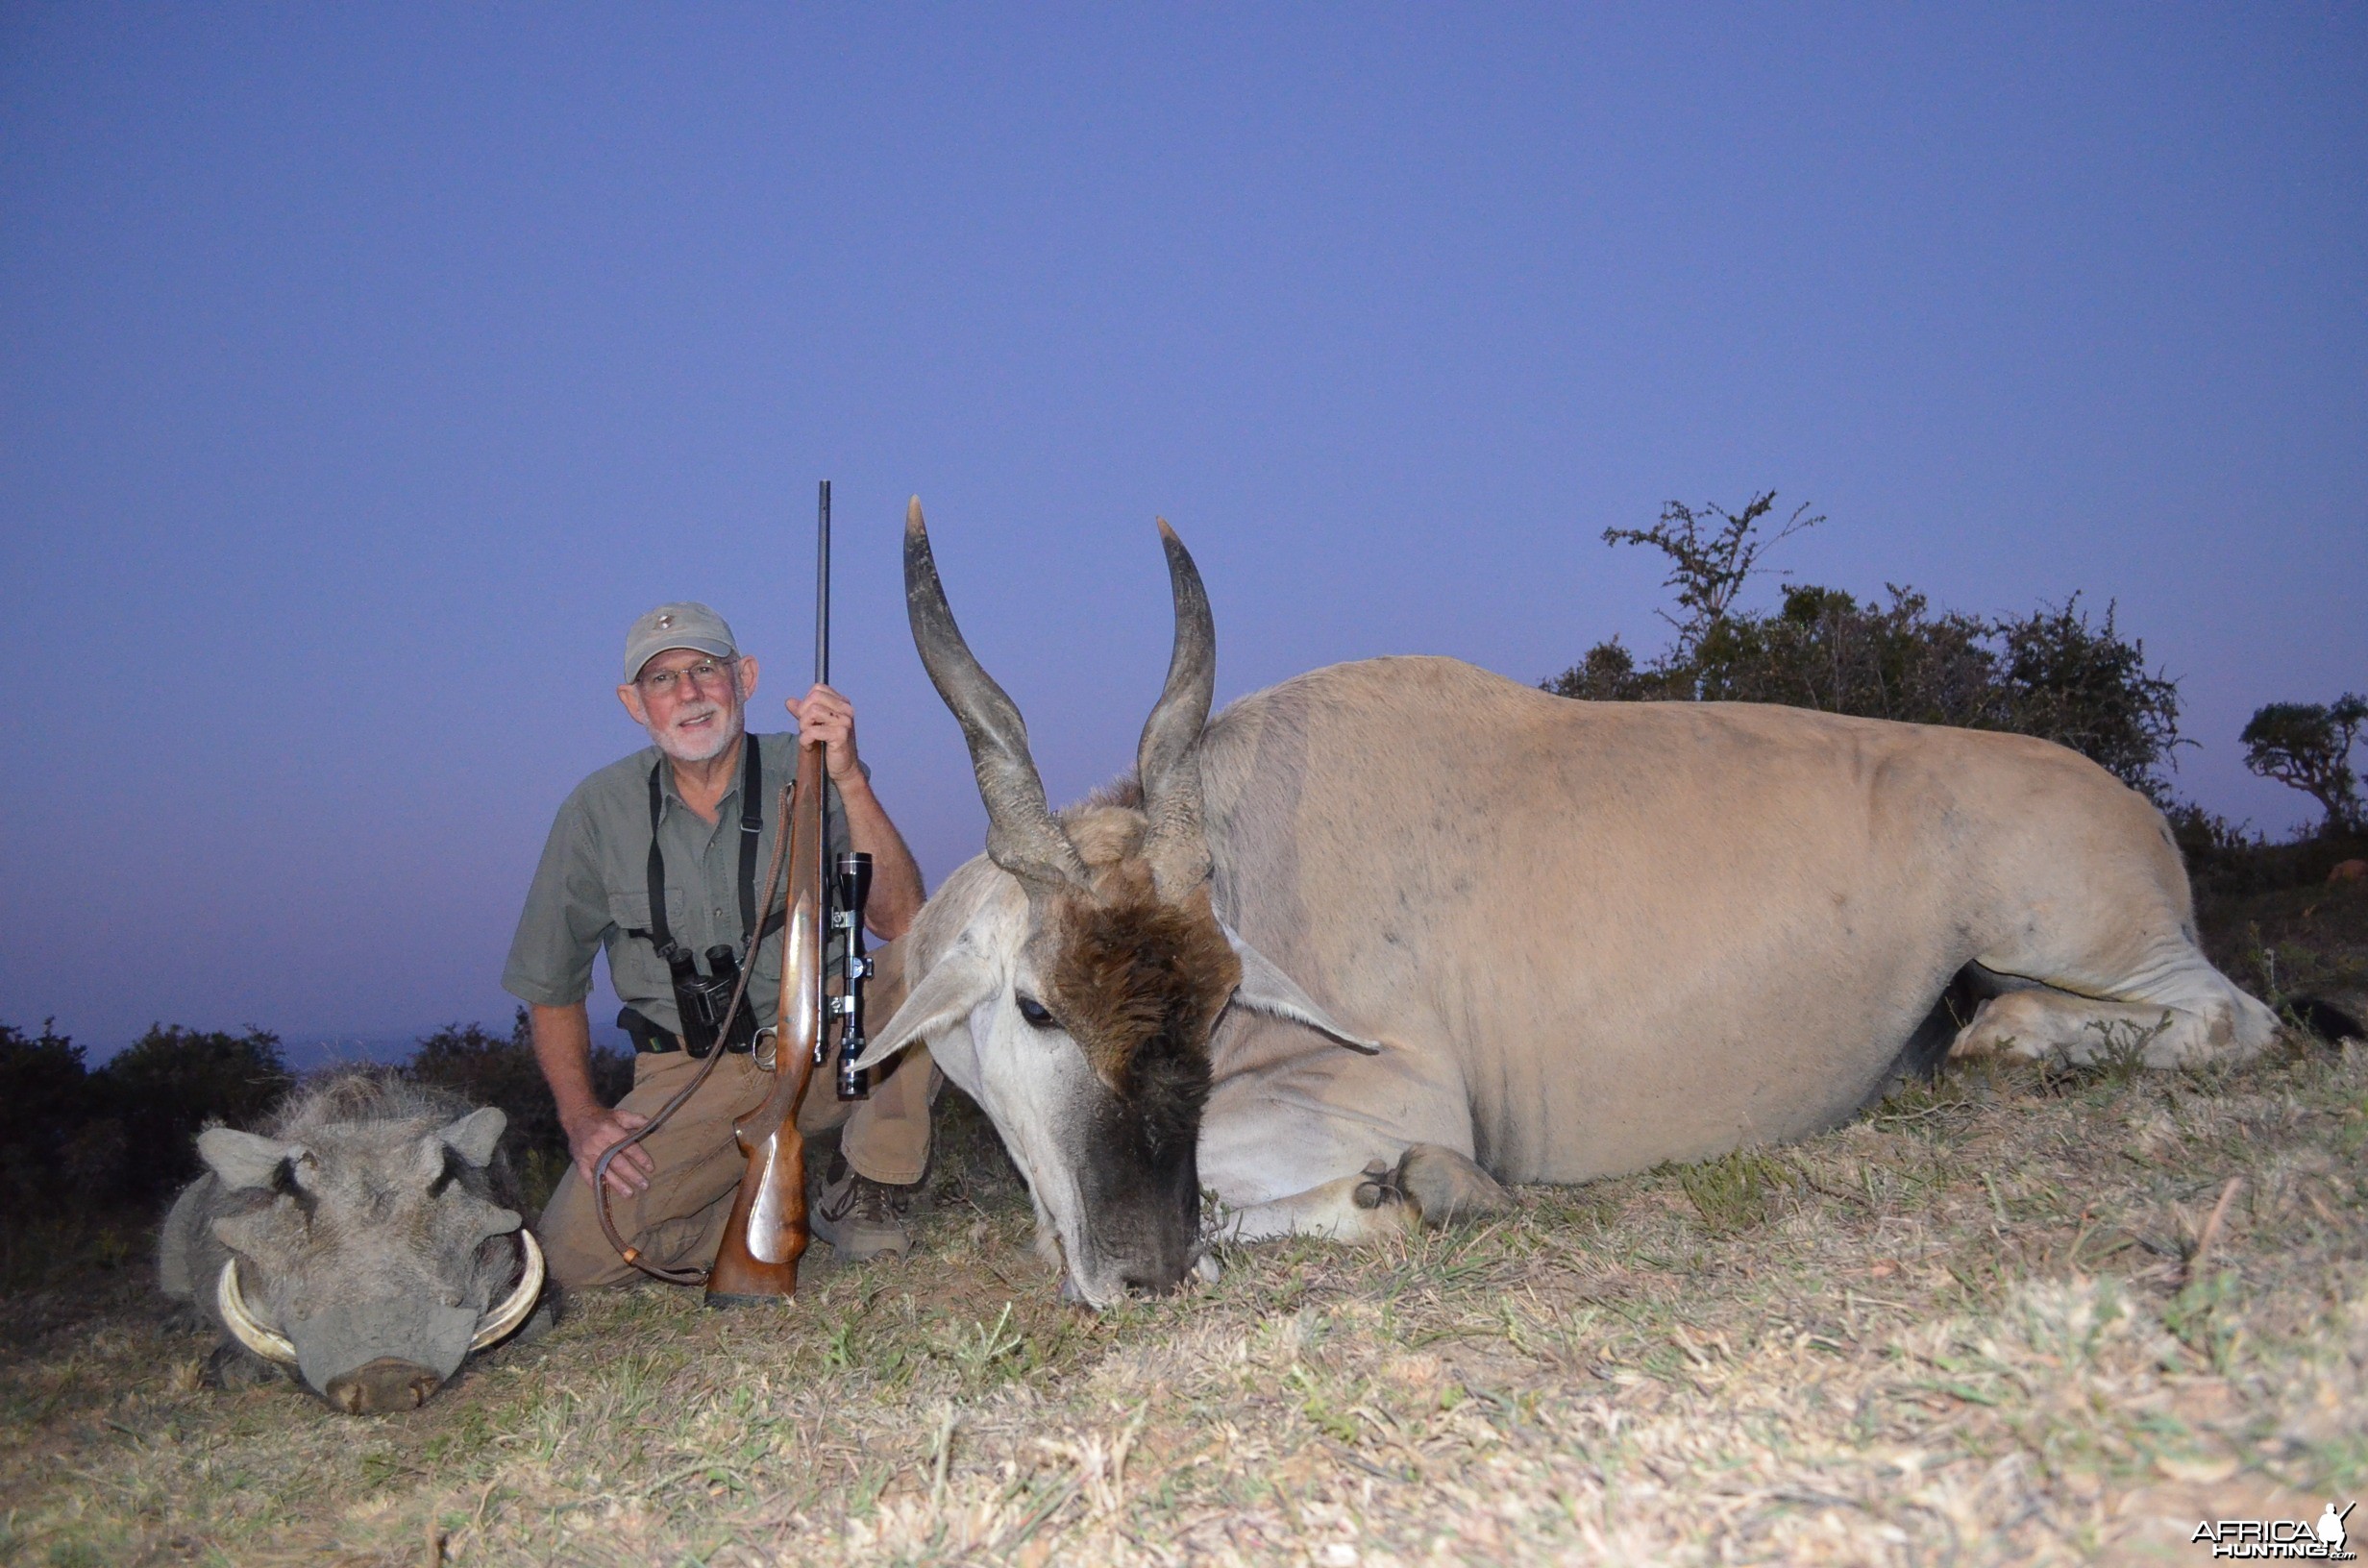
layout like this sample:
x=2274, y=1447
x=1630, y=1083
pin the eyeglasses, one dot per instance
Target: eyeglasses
x=706, y=672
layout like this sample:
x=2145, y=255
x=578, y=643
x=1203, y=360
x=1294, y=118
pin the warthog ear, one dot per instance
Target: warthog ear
x=502, y=1221
x=1266, y=989
x=242, y=1160
x=473, y=1136
x=946, y=995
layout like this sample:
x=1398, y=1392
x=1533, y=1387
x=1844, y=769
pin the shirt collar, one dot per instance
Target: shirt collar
x=672, y=795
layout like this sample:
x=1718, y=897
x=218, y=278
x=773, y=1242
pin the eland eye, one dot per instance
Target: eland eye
x=1035, y=1013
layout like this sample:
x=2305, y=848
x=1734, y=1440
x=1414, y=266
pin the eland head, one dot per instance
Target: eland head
x=1077, y=998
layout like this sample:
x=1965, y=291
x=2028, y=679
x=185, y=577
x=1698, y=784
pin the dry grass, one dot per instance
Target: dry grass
x=1967, y=1328
x=1995, y=1322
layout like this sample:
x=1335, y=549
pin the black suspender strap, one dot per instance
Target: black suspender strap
x=752, y=829
x=660, y=938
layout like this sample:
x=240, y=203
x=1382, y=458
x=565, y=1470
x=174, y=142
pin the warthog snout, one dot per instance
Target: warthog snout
x=388, y=1383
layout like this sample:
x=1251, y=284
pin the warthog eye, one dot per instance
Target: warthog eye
x=1036, y=1014
x=445, y=1177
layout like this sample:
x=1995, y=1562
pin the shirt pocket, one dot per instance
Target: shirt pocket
x=630, y=908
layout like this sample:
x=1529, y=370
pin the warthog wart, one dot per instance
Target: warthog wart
x=366, y=1242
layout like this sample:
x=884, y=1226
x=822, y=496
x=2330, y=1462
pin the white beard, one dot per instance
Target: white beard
x=700, y=744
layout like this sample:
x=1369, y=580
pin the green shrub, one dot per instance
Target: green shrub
x=169, y=1084
x=2053, y=673
x=46, y=1104
x=2086, y=687
x=125, y=1135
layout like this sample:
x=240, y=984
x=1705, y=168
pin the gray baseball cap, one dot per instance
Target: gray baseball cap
x=687, y=625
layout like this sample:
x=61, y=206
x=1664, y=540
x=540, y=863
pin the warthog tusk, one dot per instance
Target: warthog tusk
x=269, y=1343
x=505, y=1319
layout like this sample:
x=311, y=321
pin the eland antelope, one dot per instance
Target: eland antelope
x=1383, y=935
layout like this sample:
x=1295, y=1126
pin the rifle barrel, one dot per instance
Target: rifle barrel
x=822, y=590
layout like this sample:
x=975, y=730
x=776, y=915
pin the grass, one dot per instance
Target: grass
x=1994, y=1320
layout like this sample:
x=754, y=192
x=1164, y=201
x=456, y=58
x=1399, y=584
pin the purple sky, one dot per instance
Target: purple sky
x=366, y=369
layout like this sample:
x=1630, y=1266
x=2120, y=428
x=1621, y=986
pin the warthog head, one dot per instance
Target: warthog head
x=1078, y=1000
x=363, y=1244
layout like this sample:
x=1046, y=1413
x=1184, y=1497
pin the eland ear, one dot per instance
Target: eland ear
x=242, y=1160
x=473, y=1136
x=1266, y=989
x=958, y=983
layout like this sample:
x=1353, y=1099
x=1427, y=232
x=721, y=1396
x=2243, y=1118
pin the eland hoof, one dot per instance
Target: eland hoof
x=1446, y=1188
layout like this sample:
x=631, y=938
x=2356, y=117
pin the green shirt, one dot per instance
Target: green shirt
x=593, y=885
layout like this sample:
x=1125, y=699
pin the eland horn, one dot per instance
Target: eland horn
x=1167, y=757
x=245, y=1326
x=1021, y=836
x=504, y=1320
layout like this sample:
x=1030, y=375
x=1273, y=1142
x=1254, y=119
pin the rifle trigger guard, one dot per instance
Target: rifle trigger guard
x=761, y=1052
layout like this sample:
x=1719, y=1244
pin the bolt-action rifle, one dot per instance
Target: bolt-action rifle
x=768, y=1232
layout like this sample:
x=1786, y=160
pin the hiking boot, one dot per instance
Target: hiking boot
x=861, y=1218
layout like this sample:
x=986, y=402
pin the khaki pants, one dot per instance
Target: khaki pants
x=678, y=1222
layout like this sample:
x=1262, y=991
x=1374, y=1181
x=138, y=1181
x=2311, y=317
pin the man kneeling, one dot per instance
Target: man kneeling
x=658, y=855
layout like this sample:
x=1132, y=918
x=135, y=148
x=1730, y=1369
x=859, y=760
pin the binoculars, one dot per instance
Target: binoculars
x=702, y=998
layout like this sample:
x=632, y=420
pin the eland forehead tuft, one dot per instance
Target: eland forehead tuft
x=1135, y=977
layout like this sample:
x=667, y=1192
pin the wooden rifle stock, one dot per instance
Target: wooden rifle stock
x=768, y=1232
